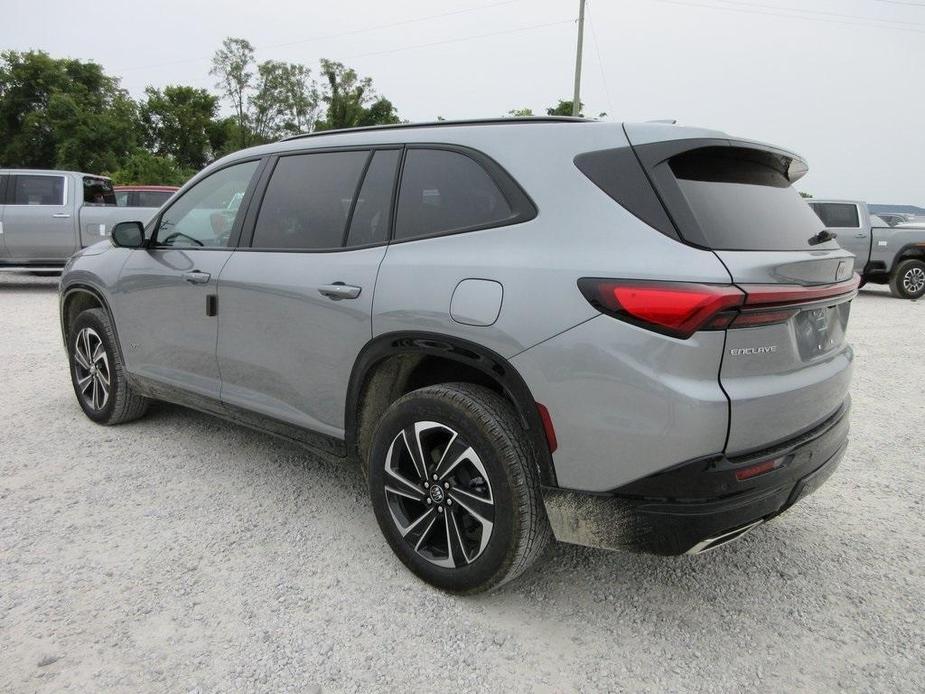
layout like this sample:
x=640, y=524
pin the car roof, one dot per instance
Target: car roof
x=55, y=172
x=158, y=189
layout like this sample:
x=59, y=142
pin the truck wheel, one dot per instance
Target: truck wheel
x=97, y=371
x=908, y=280
x=455, y=488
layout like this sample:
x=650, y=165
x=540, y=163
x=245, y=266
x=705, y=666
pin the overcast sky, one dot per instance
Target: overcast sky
x=840, y=81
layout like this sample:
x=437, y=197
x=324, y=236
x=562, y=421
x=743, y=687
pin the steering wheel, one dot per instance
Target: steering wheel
x=177, y=234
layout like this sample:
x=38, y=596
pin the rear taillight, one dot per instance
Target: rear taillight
x=680, y=309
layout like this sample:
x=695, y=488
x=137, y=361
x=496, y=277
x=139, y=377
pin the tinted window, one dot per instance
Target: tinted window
x=37, y=190
x=206, y=213
x=3, y=181
x=370, y=222
x=122, y=198
x=308, y=199
x=151, y=198
x=742, y=200
x=835, y=215
x=443, y=191
x=98, y=191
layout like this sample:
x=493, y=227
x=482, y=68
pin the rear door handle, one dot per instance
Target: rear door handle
x=61, y=215
x=339, y=290
x=862, y=235
x=197, y=277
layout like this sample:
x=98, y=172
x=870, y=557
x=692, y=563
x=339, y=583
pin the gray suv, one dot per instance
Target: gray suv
x=624, y=336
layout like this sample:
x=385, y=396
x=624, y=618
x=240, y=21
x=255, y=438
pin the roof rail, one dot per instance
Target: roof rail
x=444, y=123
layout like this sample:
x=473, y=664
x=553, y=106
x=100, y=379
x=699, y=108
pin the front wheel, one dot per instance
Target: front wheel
x=97, y=372
x=908, y=281
x=455, y=488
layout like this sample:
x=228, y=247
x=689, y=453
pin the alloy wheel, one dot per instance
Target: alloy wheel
x=438, y=494
x=914, y=280
x=91, y=368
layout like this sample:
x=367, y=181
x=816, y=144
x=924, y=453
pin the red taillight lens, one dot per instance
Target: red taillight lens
x=761, y=468
x=678, y=309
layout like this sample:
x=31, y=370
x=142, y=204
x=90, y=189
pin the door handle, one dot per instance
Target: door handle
x=197, y=277
x=339, y=290
x=61, y=215
x=861, y=236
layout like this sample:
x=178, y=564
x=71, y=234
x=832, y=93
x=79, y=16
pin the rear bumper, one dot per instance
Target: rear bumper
x=700, y=504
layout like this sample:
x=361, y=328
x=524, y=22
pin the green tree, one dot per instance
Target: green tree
x=144, y=168
x=179, y=122
x=564, y=108
x=63, y=113
x=520, y=112
x=351, y=100
x=233, y=65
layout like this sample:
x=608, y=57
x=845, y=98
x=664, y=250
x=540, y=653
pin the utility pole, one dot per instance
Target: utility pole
x=576, y=98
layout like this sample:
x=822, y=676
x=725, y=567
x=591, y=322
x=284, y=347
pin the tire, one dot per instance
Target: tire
x=473, y=442
x=93, y=358
x=908, y=280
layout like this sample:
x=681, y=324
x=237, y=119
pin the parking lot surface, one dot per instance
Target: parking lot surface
x=182, y=553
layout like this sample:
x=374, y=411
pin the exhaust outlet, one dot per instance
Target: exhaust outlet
x=724, y=538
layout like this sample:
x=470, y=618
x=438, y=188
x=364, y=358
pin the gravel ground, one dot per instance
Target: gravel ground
x=180, y=553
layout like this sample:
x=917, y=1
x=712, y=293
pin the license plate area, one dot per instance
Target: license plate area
x=821, y=329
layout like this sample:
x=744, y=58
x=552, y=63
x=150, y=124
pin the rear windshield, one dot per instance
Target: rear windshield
x=742, y=200
x=837, y=214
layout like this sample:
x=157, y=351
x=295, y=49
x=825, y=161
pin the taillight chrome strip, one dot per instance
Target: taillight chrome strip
x=791, y=295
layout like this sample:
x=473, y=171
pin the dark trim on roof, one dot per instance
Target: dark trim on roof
x=444, y=123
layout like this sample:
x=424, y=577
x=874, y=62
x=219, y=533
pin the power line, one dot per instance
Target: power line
x=600, y=63
x=462, y=39
x=820, y=12
x=742, y=10
x=352, y=32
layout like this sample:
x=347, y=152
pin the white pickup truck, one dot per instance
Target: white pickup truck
x=46, y=216
x=883, y=254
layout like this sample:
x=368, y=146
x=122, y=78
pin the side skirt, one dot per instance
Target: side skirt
x=316, y=441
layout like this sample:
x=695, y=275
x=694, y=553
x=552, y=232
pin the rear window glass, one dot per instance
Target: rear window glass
x=152, y=198
x=444, y=191
x=37, y=190
x=836, y=214
x=742, y=200
x=98, y=191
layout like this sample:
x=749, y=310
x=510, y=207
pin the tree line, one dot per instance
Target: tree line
x=62, y=113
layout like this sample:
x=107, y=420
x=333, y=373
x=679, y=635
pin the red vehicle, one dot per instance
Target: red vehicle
x=143, y=196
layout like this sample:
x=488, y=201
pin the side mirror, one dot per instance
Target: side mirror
x=128, y=235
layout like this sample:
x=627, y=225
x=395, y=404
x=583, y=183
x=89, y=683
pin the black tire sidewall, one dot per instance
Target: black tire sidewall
x=92, y=319
x=493, y=563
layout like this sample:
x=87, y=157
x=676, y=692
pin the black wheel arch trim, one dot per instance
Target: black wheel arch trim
x=456, y=349
x=911, y=251
x=80, y=287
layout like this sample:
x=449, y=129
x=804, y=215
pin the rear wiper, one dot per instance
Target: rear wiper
x=822, y=237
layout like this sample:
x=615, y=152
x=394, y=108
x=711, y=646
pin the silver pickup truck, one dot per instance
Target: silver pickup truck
x=883, y=254
x=46, y=216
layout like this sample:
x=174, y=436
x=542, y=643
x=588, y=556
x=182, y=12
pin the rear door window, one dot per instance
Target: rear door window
x=443, y=191
x=373, y=208
x=308, y=200
x=37, y=190
x=4, y=179
x=742, y=200
x=837, y=215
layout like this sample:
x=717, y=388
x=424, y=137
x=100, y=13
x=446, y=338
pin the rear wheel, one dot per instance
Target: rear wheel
x=908, y=281
x=455, y=488
x=97, y=372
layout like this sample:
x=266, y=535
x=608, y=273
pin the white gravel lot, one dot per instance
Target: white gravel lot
x=182, y=553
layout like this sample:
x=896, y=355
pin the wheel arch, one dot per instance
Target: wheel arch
x=393, y=364
x=77, y=298
x=908, y=252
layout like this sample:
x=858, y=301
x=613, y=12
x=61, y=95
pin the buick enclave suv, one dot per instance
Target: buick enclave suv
x=625, y=336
